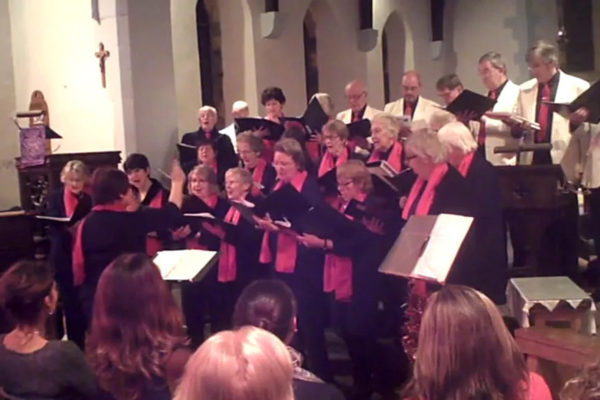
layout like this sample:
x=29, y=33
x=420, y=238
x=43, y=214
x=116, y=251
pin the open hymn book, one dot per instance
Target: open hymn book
x=427, y=247
x=184, y=265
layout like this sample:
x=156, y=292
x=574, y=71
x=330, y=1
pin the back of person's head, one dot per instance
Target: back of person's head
x=465, y=350
x=108, y=185
x=24, y=289
x=136, y=161
x=294, y=130
x=246, y=364
x=585, y=386
x=267, y=304
x=135, y=325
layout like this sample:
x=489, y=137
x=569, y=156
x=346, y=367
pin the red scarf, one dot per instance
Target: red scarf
x=192, y=242
x=337, y=274
x=154, y=244
x=78, y=256
x=394, y=159
x=70, y=200
x=465, y=164
x=228, y=258
x=287, y=246
x=428, y=195
x=327, y=162
x=257, y=176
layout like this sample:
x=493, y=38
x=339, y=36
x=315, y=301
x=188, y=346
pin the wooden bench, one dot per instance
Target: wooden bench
x=549, y=350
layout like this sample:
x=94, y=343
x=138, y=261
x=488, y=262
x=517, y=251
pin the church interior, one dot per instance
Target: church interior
x=128, y=76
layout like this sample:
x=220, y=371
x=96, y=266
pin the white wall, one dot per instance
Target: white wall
x=9, y=189
x=53, y=46
x=186, y=63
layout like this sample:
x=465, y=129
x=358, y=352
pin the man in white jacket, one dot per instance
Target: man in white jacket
x=412, y=104
x=493, y=132
x=357, y=97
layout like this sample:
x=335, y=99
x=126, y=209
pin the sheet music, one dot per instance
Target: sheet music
x=200, y=215
x=183, y=265
x=57, y=219
x=444, y=242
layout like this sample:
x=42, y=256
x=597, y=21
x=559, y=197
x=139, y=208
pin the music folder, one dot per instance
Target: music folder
x=274, y=130
x=427, y=247
x=314, y=117
x=328, y=181
x=470, y=102
x=184, y=265
x=389, y=183
x=589, y=99
x=361, y=128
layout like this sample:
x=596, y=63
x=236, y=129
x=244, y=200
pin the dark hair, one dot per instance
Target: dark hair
x=449, y=81
x=206, y=142
x=133, y=332
x=272, y=93
x=267, y=304
x=296, y=131
x=108, y=185
x=23, y=288
x=136, y=161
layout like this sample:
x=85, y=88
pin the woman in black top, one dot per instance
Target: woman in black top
x=31, y=365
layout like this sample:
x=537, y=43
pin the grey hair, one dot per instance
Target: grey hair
x=546, y=50
x=326, y=102
x=495, y=59
x=209, y=109
x=456, y=135
x=426, y=144
x=391, y=124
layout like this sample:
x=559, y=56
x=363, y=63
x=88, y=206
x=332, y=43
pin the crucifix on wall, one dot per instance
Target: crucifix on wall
x=102, y=55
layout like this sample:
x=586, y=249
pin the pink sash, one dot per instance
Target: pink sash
x=228, y=258
x=394, y=159
x=465, y=164
x=428, y=195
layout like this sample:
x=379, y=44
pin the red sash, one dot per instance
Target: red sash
x=228, y=257
x=287, y=246
x=394, y=159
x=465, y=164
x=70, y=200
x=78, y=257
x=337, y=273
x=428, y=195
x=327, y=163
x=257, y=175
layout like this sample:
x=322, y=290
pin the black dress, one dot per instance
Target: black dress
x=226, y=157
x=60, y=258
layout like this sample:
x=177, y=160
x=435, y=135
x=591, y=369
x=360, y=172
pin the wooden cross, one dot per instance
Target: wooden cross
x=102, y=55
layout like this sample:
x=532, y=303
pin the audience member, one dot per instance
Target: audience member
x=31, y=366
x=585, y=386
x=271, y=305
x=247, y=364
x=137, y=344
x=465, y=352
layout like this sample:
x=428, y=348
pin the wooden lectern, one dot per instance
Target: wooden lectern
x=37, y=182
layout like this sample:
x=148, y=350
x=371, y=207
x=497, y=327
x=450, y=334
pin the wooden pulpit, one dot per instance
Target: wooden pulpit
x=37, y=182
x=537, y=209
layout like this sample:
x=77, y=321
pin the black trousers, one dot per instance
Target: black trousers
x=595, y=217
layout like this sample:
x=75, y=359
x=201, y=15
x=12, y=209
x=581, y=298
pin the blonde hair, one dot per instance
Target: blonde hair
x=456, y=135
x=425, y=144
x=210, y=109
x=207, y=173
x=77, y=168
x=357, y=172
x=391, y=124
x=242, y=173
x=465, y=350
x=246, y=364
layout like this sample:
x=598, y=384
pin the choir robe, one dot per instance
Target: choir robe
x=226, y=157
x=490, y=275
x=61, y=260
x=202, y=300
x=109, y=234
x=307, y=284
x=156, y=197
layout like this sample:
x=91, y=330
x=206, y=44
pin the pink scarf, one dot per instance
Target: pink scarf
x=327, y=162
x=70, y=200
x=228, y=258
x=394, y=159
x=78, y=257
x=465, y=164
x=287, y=246
x=426, y=200
x=257, y=175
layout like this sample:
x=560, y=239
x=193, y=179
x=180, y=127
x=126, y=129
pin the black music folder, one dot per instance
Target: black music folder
x=589, y=99
x=360, y=128
x=427, y=247
x=470, y=102
x=274, y=130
